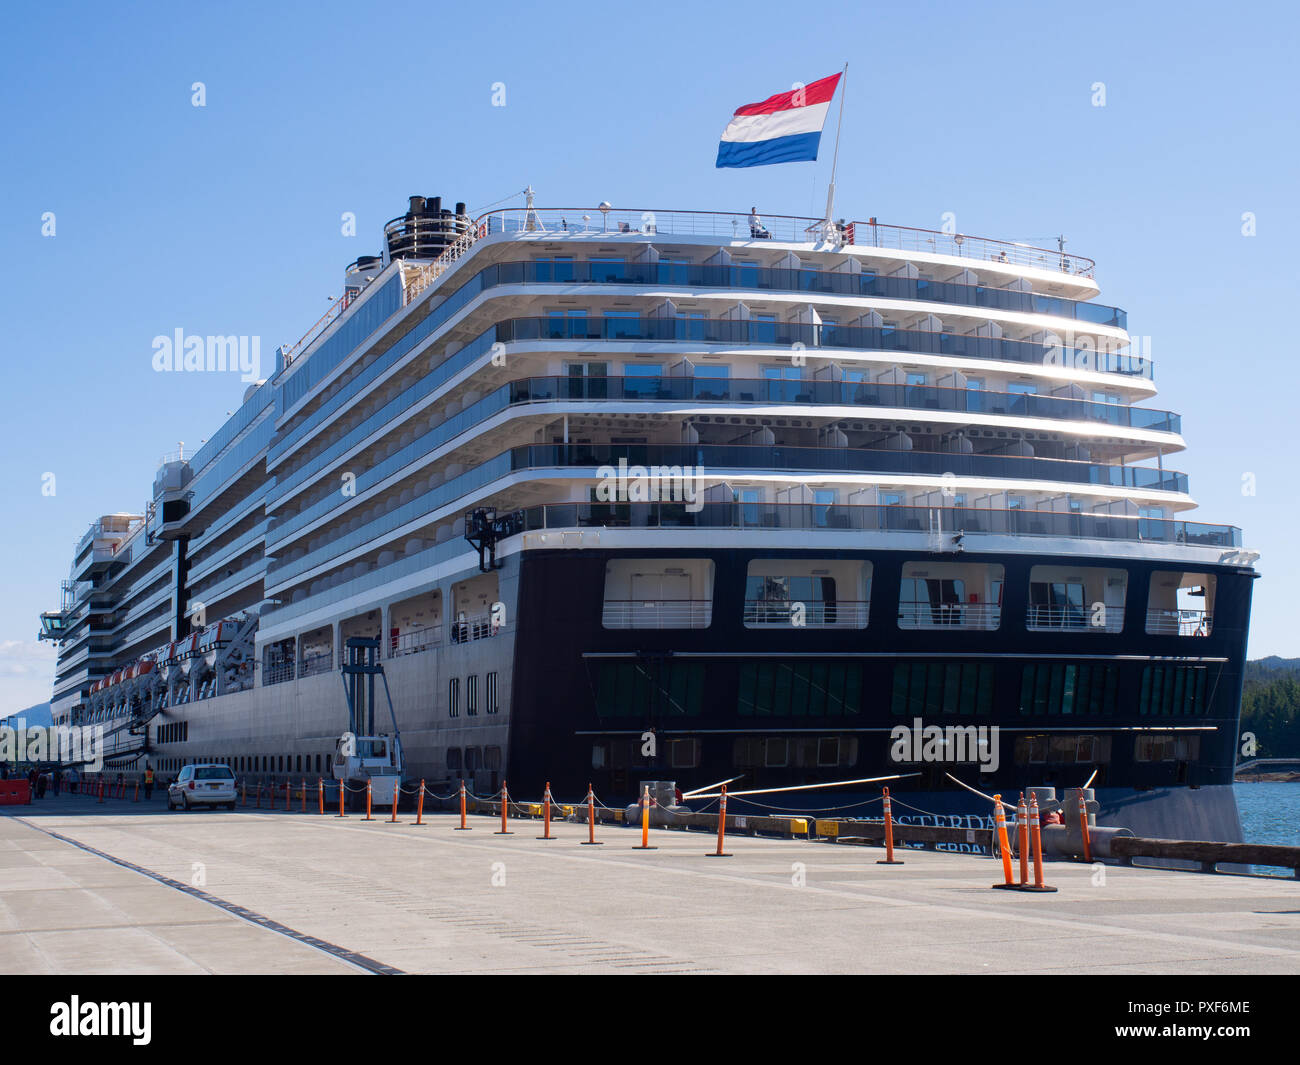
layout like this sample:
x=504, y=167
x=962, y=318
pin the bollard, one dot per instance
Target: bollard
x=304, y=796
x=645, y=821
x=1083, y=828
x=288, y=794
x=591, y=820
x=320, y=796
x=722, y=825
x=137, y=792
x=101, y=789
x=463, y=827
x=505, y=806
x=546, y=813
x=1022, y=833
x=243, y=792
x=1003, y=846
x=369, y=794
x=397, y=787
x=342, y=788
x=1036, y=832
x=889, y=834
x=419, y=805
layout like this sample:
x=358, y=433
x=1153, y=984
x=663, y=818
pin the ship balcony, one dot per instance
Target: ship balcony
x=879, y=518
x=920, y=398
x=795, y=336
x=747, y=278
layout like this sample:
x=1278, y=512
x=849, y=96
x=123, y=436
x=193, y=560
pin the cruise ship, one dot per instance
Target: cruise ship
x=616, y=495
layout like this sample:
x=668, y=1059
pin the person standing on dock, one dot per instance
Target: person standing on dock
x=148, y=781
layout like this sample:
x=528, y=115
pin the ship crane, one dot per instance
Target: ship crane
x=363, y=756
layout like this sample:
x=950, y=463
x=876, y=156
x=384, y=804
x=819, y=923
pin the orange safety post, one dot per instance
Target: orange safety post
x=397, y=787
x=1022, y=826
x=343, y=787
x=1083, y=828
x=591, y=820
x=463, y=827
x=1036, y=831
x=889, y=834
x=645, y=821
x=369, y=793
x=1004, y=848
x=546, y=813
x=137, y=792
x=243, y=792
x=101, y=789
x=722, y=825
x=304, y=796
x=288, y=794
x=320, y=795
x=419, y=804
x=505, y=806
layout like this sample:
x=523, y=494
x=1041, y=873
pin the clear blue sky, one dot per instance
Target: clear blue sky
x=226, y=219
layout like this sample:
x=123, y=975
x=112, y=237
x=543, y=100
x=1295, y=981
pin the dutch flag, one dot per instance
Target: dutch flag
x=785, y=128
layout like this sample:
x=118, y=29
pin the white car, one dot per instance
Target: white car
x=205, y=784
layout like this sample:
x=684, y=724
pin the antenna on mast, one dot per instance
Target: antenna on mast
x=829, y=229
x=532, y=222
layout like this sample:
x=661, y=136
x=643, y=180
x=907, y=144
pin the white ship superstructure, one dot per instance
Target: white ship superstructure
x=940, y=445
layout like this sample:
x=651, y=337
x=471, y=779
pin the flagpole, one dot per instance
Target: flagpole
x=835, y=162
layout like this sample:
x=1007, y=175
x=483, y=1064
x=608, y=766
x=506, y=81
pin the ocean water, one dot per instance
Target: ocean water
x=1270, y=812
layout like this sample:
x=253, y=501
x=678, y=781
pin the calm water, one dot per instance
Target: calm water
x=1270, y=813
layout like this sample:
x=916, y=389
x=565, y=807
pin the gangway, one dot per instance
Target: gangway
x=364, y=756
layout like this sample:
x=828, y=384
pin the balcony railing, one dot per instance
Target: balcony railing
x=1075, y=619
x=313, y=664
x=877, y=518
x=665, y=388
x=413, y=641
x=794, y=336
x=841, y=614
x=279, y=673
x=807, y=280
x=847, y=460
x=475, y=627
x=657, y=613
x=914, y=614
x=787, y=228
x=1179, y=622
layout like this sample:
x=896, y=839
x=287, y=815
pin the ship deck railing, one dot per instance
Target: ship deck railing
x=795, y=229
x=815, y=614
x=923, y=614
x=1179, y=622
x=656, y=613
x=879, y=518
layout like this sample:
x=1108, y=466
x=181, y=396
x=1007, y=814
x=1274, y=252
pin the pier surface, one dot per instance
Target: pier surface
x=127, y=887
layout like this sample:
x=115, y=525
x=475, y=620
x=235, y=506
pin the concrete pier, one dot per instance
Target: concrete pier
x=132, y=888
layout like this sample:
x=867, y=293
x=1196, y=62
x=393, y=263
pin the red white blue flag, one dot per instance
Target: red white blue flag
x=785, y=128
